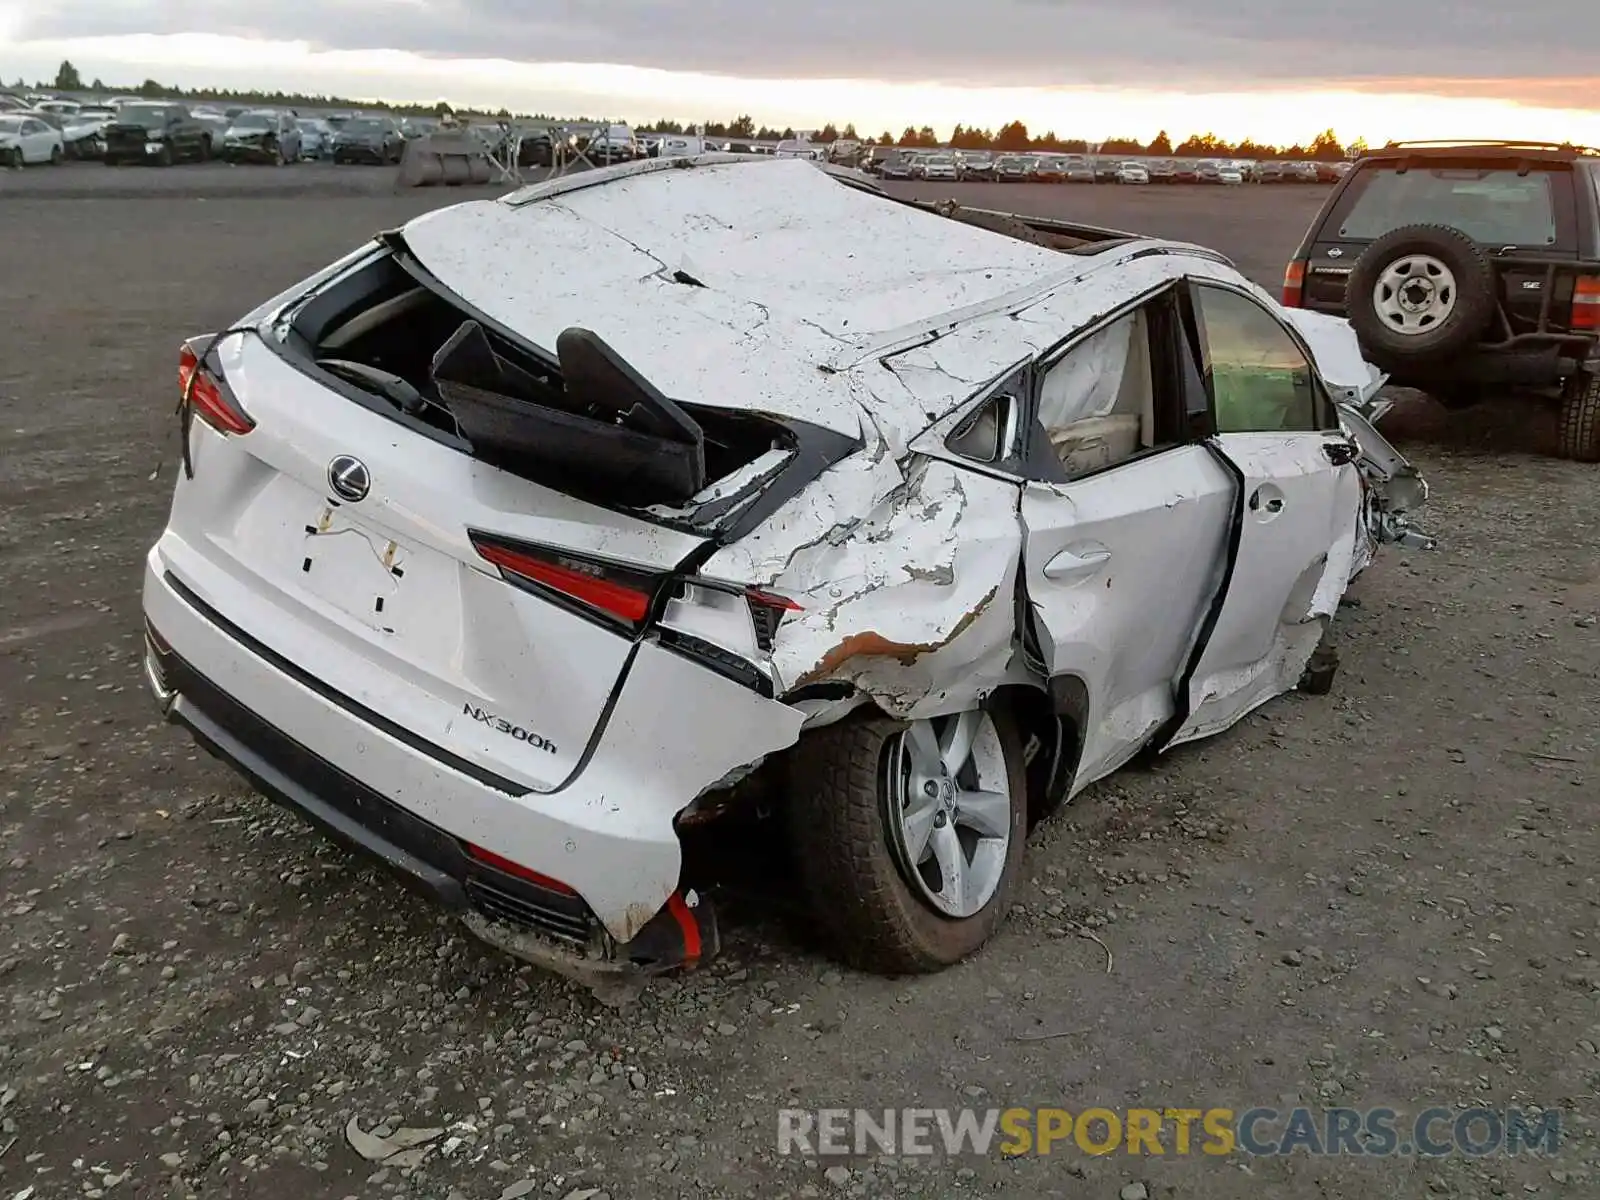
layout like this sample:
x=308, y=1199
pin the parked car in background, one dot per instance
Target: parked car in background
x=614, y=143
x=412, y=128
x=1014, y=168
x=9, y=102
x=797, y=148
x=25, y=140
x=1080, y=169
x=1469, y=271
x=1230, y=173
x=368, y=140
x=898, y=164
x=84, y=132
x=1162, y=170
x=316, y=138
x=1049, y=168
x=976, y=165
x=60, y=107
x=157, y=133
x=1132, y=172
x=940, y=167
x=262, y=136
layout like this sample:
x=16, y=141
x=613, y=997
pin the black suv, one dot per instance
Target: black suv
x=1467, y=269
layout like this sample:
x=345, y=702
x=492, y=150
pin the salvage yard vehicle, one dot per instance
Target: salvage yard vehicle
x=27, y=140
x=951, y=514
x=375, y=140
x=157, y=133
x=1468, y=270
x=263, y=135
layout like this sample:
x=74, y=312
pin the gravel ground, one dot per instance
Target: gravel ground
x=1385, y=896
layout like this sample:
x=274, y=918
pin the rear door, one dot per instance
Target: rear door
x=1298, y=503
x=1124, y=543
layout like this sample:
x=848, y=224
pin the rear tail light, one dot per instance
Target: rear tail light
x=1586, y=303
x=615, y=593
x=207, y=396
x=767, y=609
x=1294, y=282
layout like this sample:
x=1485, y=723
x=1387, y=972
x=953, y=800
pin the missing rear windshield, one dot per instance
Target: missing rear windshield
x=1495, y=207
x=579, y=418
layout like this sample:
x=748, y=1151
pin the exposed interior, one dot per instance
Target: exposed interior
x=580, y=419
x=1097, y=403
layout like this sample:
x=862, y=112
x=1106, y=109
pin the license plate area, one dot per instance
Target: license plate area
x=355, y=569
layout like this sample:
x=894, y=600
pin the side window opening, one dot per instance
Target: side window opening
x=1097, y=404
x=1258, y=378
x=988, y=434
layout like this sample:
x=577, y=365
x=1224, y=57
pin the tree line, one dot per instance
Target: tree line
x=1014, y=136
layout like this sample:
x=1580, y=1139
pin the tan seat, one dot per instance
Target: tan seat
x=1096, y=442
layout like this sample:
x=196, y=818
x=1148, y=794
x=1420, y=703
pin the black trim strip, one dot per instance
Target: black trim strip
x=1182, y=705
x=354, y=707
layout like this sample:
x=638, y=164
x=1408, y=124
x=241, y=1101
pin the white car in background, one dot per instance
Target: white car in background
x=939, y=166
x=1230, y=173
x=1132, y=172
x=28, y=140
x=472, y=566
x=800, y=149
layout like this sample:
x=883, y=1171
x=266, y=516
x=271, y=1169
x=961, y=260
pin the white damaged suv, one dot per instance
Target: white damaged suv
x=507, y=543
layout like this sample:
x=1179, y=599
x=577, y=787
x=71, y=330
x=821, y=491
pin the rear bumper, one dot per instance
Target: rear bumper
x=417, y=811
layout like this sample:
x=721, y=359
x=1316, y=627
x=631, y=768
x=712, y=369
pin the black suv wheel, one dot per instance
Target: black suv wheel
x=1420, y=293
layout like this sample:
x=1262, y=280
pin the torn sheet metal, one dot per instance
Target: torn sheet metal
x=1338, y=356
x=916, y=609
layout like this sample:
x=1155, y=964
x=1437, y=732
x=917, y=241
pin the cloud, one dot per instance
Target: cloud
x=1476, y=46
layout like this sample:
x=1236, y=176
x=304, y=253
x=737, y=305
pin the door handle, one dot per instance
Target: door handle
x=1082, y=560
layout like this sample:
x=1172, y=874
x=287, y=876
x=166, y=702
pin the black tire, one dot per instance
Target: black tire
x=165, y=158
x=55, y=156
x=204, y=154
x=867, y=913
x=1474, y=302
x=1579, y=436
x=15, y=159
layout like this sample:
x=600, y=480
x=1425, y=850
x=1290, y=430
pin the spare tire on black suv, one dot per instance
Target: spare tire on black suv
x=1471, y=271
x=1420, y=293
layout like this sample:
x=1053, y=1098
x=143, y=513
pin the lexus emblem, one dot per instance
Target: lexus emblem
x=349, y=478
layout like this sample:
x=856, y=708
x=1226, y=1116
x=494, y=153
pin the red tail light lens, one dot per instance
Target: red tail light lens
x=208, y=397
x=766, y=610
x=617, y=593
x=1294, y=283
x=1586, y=303
x=504, y=865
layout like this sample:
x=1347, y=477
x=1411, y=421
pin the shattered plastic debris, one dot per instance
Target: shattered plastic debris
x=402, y=1148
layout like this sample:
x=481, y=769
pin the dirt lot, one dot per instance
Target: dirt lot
x=1385, y=897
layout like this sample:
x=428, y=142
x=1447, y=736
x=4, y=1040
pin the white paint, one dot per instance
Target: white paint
x=816, y=301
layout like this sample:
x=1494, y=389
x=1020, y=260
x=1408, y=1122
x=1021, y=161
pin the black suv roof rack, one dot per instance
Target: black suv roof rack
x=1489, y=144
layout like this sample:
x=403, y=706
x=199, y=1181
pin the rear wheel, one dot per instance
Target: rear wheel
x=909, y=837
x=55, y=156
x=1580, y=418
x=164, y=156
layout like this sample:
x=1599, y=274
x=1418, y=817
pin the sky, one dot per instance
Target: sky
x=1276, y=70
